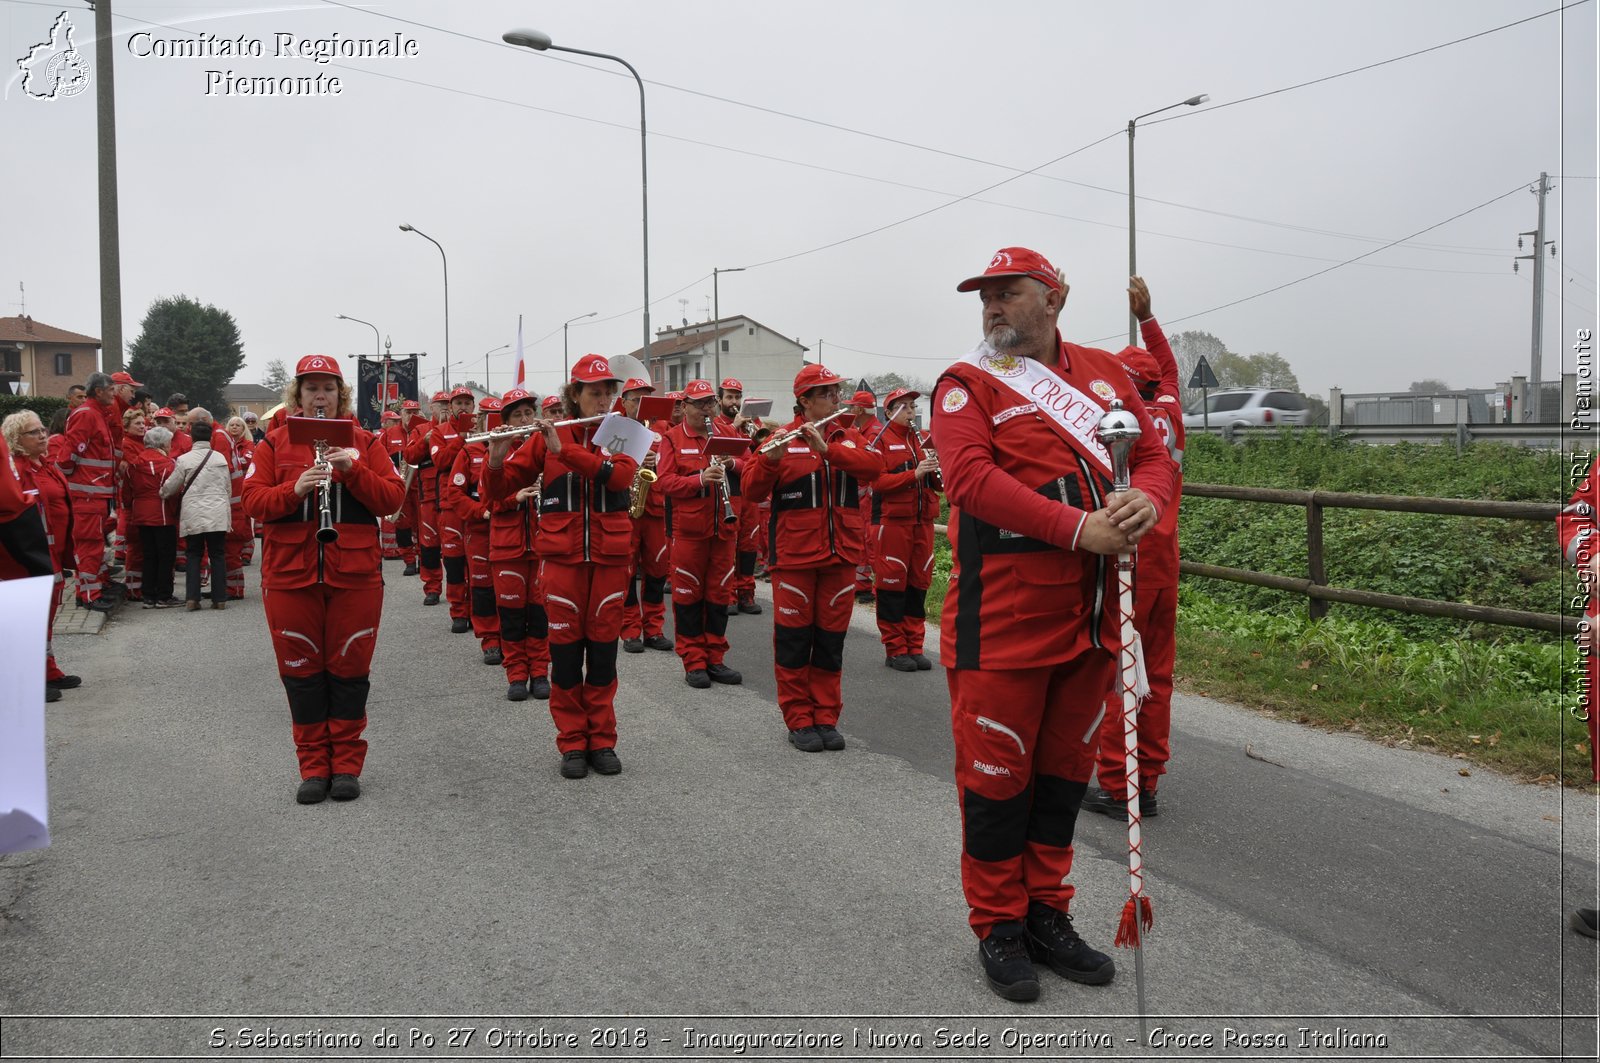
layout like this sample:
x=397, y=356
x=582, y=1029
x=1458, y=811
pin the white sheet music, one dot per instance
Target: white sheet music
x=24, y=798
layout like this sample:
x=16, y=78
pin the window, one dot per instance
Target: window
x=63, y=363
x=674, y=377
x=724, y=346
x=1284, y=400
x=1234, y=400
x=10, y=360
x=696, y=371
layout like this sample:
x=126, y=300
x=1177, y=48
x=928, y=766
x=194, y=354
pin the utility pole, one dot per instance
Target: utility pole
x=110, y=253
x=1534, y=387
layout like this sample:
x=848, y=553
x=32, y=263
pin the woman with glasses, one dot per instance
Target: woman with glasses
x=43, y=485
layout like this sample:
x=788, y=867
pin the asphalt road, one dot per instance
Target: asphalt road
x=1316, y=881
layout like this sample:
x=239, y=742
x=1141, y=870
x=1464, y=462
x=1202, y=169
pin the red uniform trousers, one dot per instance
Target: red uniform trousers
x=644, y=611
x=240, y=535
x=750, y=543
x=89, y=519
x=453, y=554
x=869, y=547
x=387, y=540
x=133, y=556
x=324, y=637
x=904, y=570
x=584, y=604
x=405, y=529
x=480, y=580
x=428, y=555
x=813, y=614
x=1155, y=612
x=53, y=670
x=524, y=627
x=702, y=587
x=1025, y=744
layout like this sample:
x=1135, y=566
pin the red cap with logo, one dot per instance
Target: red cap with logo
x=120, y=377
x=863, y=400
x=695, y=390
x=633, y=383
x=411, y=404
x=1141, y=366
x=166, y=411
x=814, y=376
x=390, y=415
x=593, y=369
x=318, y=363
x=460, y=391
x=489, y=404
x=675, y=396
x=732, y=384
x=551, y=402
x=1015, y=262
x=514, y=396
x=440, y=396
x=900, y=393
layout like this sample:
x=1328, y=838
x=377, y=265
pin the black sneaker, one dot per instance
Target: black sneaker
x=102, y=605
x=430, y=599
x=1052, y=941
x=751, y=606
x=517, y=691
x=831, y=738
x=411, y=570
x=66, y=682
x=539, y=687
x=633, y=645
x=1103, y=802
x=312, y=791
x=574, y=764
x=922, y=663
x=721, y=673
x=901, y=663
x=605, y=761
x=697, y=678
x=1006, y=966
x=806, y=740
x=659, y=642
x=344, y=788
x=460, y=626
x=51, y=694
x=1586, y=921
x=492, y=655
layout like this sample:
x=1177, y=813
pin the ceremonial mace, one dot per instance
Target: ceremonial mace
x=1117, y=432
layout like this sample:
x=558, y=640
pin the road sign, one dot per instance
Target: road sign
x=1203, y=377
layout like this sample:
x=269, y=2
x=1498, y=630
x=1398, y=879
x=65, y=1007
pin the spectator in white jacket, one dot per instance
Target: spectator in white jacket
x=202, y=480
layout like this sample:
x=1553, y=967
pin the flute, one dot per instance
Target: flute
x=794, y=433
x=530, y=429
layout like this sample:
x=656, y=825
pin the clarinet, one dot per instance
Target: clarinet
x=725, y=494
x=326, y=532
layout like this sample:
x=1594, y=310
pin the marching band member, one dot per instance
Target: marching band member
x=1154, y=371
x=584, y=540
x=905, y=501
x=866, y=422
x=816, y=540
x=644, y=612
x=514, y=559
x=393, y=438
x=446, y=444
x=677, y=408
x=460, y=494
x=420, y=446
x=323, y=600
x=731, y=422
x=1027, y=643
x=703, y=546
x=407, y=533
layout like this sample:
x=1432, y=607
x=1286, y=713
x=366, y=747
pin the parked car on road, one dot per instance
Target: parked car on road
x=1248, y=407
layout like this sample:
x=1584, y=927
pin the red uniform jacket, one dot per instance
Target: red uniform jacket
x=460, y=489
x=148, y=469
x=696, y=507
x=1575, y=530
x=583, y=506
x=513, y=528
x=89, y=466
x=44, y=483
x=1158, y=550
x=899, y=497
x=816, y=498
x=1022, y=594
x=291, y=555
x=24, y=542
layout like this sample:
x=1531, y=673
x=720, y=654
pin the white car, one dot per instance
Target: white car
x=1247, y=408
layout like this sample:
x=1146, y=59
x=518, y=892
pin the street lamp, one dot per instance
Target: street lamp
x=716, y=312
x=486, y=354
x=566, y=370
x=540, y=42
x=435, y=243
x=383, y=399
x=1192, y=101
x=376, y=352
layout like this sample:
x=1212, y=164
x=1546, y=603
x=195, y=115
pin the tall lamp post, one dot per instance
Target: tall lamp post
x=716, y=313
x=486, y=354
x=1192, y=101
x=540, y=42
x=446, y=261
x=566, y=369
x=383, y=397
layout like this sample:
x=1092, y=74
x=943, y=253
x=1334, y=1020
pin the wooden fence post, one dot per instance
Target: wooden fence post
x=1314, y=567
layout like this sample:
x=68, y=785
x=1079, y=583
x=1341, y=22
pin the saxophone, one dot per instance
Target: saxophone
x=639, y=493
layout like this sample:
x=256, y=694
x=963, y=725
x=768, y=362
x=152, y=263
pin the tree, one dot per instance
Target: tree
x=184, y=346
x=1272, y=371
x=277, y=377
x=1428, y=387
x=1235, y=370
x=1189, y=348
x=883, y=383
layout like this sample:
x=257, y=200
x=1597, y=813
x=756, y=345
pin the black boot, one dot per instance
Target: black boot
x=1006, y=965
x=1052, y=941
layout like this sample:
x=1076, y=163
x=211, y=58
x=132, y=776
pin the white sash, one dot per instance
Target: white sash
x=1072, y=413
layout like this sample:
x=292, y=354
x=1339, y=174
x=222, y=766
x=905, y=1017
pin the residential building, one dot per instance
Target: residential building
x=250, y=398
x=764, y=361
x=40, y=359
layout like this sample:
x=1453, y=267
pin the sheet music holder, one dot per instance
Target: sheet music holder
x=334, y=431
x=727, y=446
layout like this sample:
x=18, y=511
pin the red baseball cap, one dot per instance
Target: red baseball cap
x=120, y=377
x=411, y=404
x=900, y=393
x=517, y=395
x=166, y=411
x=319, y=363
x=695, y=390
x=551, y=402
x=440, y=396
x=489, y=404
x=390, y=415
x=1015, y=262
x=732, y=384
x=864, y=399
x=814, y=376
x=1140, y=365
x=633, y=383
x=593, y=369
x=675, y=396
x=459, y=391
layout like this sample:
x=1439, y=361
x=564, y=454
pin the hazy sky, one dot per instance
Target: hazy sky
x=778, y=129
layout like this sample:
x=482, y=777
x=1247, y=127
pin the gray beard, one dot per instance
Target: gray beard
x=1002, y=337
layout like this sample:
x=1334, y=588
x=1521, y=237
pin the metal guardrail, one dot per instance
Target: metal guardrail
x=1547, y=435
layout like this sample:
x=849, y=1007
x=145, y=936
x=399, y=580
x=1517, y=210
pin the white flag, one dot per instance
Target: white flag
x=522, y=375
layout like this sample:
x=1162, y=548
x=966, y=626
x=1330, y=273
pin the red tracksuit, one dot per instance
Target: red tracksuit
x=903, y=512
x=460, y=493
x=323, y=600
x=1029, y=627
x=132, y=543
x=869, y=546
x=419, y=452
x=749, y=540
x=514, y=561
x=703, y=565
x=46, y=489
x=89, y=468
x=1155, y=601
x=448, y=438
x=398, y=532
x=644, y=610
x=815, y=541
x=1575, y=529
x=583, y=540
